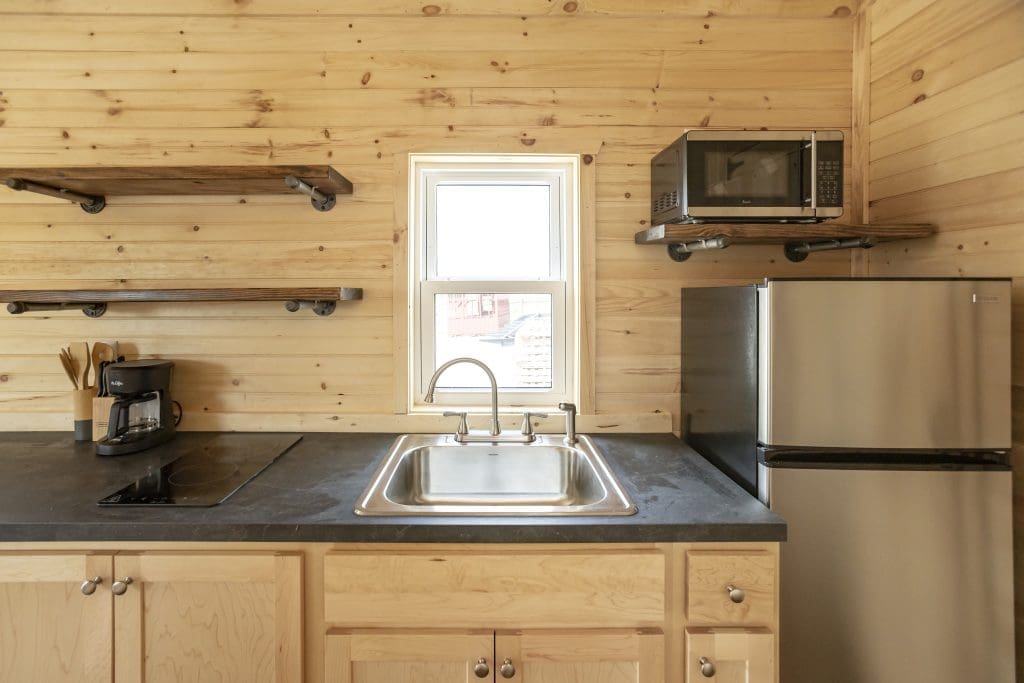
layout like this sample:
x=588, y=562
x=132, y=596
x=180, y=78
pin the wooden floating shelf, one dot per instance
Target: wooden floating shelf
x=90, y=186
x=799, y=239
x=93, y=302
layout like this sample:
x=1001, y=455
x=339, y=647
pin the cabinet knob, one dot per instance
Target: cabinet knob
x=481, y=669
x=120, y=587
x=707, y=667
x=89, y=585
x=507, y=669
x=735, y=594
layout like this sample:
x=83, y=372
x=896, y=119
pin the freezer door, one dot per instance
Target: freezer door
x=895, y=576
x=895, y=364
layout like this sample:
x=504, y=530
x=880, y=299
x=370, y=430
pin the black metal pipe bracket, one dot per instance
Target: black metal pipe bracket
x=798, y=251
x=682, y=251
x=89, y=203
x=321, y=201
x=321, y=308
x=92, y=310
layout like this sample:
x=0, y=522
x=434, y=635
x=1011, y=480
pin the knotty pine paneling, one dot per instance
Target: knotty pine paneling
x=359, y=85
x=947, y=147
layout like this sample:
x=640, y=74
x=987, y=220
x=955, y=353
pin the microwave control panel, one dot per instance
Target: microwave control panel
x=830, y=173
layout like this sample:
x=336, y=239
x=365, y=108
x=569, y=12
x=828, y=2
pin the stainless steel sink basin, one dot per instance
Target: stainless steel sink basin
x=434, y=475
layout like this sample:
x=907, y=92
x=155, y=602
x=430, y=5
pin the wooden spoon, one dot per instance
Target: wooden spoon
x=101, y=353
x=80, y=352
x=69, y=366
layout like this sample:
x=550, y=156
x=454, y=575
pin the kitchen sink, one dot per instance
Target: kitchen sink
x=434, y=475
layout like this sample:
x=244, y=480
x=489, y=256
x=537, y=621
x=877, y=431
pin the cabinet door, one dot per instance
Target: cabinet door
x=225, y=617
x=49, y=629
x=730, y=655
x=390, y=656
x=597, y=656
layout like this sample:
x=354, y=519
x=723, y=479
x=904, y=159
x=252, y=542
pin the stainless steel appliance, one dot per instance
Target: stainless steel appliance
x=874, y=416
x=141, y=415
x=748, y=176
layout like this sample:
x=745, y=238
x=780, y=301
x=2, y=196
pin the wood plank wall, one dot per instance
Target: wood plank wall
x=359, y=84
x=946, y=140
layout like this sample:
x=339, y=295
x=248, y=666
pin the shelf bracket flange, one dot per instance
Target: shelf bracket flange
x=321, y=308
x=321, y=201
x=681, y=251
x=89, y=203
x=92, y=310
x=798, y=251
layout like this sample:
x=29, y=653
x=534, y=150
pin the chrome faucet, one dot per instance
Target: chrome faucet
x=432, y=387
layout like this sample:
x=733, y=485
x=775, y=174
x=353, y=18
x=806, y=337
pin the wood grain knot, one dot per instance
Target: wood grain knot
x=570, y=7
x=431, y=10
x=588, y=159
x=529, y=142
x=841, y=11
x=920, y=98
x=917, y=75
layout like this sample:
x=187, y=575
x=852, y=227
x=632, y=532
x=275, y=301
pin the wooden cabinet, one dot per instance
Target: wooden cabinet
x=224, y=617
x=399, y=656
x=50, y=629
x=731, y=616
x=730, y=655
x=583, y=656
x=151, y=617
x=403, y=656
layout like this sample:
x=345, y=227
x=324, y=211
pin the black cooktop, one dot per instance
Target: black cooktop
x=207, y=475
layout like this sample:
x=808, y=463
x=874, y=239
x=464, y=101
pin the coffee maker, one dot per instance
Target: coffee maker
x=141, y=416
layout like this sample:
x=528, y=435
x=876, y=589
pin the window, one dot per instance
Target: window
x=493, y=263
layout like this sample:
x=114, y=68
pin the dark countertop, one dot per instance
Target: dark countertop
x=49, y=486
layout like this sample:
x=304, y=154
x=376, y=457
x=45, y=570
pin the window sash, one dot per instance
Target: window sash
x=556, y=215
x=560, y=173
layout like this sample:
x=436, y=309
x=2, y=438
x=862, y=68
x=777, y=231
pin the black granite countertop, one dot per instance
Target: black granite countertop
x=49, y=486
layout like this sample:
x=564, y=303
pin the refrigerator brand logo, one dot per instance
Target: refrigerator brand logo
x=117, y=383
x=982, y=299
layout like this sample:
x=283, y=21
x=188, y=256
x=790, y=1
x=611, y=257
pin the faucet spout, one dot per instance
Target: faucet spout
x=432, y=387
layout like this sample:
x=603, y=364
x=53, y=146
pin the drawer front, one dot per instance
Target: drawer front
x=730, y=655
x=730, y=587
x=415, y=589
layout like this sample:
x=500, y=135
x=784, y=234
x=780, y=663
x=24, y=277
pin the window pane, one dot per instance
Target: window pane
x=510, y=333
x=492, y=232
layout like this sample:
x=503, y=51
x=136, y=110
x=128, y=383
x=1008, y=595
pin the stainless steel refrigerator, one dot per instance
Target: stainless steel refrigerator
x=874, y=416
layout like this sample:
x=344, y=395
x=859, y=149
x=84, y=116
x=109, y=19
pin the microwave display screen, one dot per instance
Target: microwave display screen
x=741, y=173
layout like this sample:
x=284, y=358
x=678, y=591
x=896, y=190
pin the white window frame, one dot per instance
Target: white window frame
x=561, y=174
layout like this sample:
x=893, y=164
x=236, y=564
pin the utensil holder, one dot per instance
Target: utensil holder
x=101, y=416
x=81, y=404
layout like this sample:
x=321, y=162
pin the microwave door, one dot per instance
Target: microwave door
x=746, y=178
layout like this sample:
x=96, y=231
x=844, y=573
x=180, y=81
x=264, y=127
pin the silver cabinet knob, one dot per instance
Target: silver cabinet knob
x=120, y=587
x=89, y=585
x=481, y=669
x=707, y=667
x=735, y=594
x=507, y=669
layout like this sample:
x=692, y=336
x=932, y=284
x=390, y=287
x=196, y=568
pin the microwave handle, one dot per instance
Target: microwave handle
x=813, y=144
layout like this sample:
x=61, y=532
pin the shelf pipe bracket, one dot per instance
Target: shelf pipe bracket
x=682, y=251
x=321, y=201
x=92, y=310
x=89, y=203
x=798, y=251
x=321, y=308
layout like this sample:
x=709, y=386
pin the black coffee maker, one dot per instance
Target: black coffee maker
x=142, y=415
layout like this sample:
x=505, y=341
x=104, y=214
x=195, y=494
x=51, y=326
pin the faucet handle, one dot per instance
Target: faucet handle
x=527, y=428
x=463, y=428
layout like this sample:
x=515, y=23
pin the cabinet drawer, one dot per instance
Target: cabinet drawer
x=710, y=576
x=415, y=589
x=730, y=655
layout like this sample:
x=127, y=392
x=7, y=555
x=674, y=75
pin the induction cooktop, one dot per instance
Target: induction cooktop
x=207, y=475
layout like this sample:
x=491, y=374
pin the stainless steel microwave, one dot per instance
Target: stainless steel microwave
x=748, y=176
